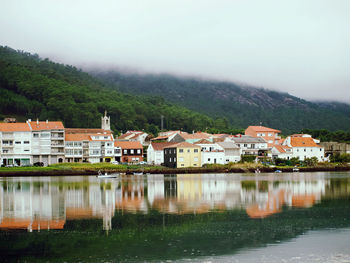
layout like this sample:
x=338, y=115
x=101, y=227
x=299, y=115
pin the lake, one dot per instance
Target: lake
x=292, y=217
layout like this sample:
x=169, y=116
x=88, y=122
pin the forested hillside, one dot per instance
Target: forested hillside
x=31, y=87
x=239, y=105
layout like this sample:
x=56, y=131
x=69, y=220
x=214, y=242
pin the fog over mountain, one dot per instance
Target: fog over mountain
x=299, y=47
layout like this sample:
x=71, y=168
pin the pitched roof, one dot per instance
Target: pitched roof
x=159, y=146
x=197, y=135
x=281, y=148
x=77, y=137
x=184, y=145
x=302, y=142
x=128, y=145
x=248, y=139
x=203, y=141
x=46, y=125
x=89, y=131
x=14, y=127
x=160, y=138
x=228, y=145
x=262, y=129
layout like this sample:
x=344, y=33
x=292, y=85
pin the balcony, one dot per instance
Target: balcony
x=56, y=151
x=55, y=144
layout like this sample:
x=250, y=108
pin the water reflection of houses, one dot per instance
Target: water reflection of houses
x=47, y=203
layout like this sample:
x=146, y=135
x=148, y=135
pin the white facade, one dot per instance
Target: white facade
x=15, y=148
x=215, y=153
x=154, y=157
x=304, y=147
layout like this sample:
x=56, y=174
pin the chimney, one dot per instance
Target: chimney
x=47, y=121
x=29, y=120
x=37, y=121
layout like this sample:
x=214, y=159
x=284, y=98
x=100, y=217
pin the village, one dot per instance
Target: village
x=43, y=143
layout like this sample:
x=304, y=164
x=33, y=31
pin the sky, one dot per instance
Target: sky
x=297, y=46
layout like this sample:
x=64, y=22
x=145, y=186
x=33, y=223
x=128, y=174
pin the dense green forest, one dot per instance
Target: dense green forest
x=32, y=87
x=328, y=136
x=237, y=104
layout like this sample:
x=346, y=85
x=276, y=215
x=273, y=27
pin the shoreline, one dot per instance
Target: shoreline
x=77, y=172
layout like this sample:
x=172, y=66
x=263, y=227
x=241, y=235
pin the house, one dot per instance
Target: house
x=89, y=147
x=47, y=141
x=182, y=155
x=195, y=137
x=281, y=151
x=31, y=142
x=168, y=136
x=304, y=146
x=132, y=152
x=250, y=145
x=155, y=153
x=271, y=136
x=220, y=153
x=134, y=136
x=15, y=144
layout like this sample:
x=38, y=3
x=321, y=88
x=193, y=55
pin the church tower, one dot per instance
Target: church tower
x=106, y=122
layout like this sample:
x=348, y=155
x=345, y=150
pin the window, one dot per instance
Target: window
x=69, y=144
x=181, y=150
x=132, y=151
x=245, y=145
x=139, y=151
x=182, y=164
x=263, y=134
x=174, y=159
x=26, y=150
x=108, y=144
x=270, y=135
x=125, y=151
x=195, y=159
x=194, y=164
x=45, y=135
x=170, y=159
x=304, y=150
x=35, y=135
x=17, y=142
x=181, y=159
x=320, y=150
x=208, y=159
x=117, y=151
x=26, y=142
x=5, y=151
x=195, y=150
x=105, y=137
x=77, y=144
x=227, y=160
x=188, y=150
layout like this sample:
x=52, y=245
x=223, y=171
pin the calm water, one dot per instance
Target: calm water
x=300, y=217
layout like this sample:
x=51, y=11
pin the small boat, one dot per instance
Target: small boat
x=257, y=171
x=106, y=175
x=295, y=169
x=141, y=173
x=278, y=171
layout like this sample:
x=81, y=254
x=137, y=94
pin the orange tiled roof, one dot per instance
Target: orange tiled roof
x=128, y=145
x=77, y=137
x=197, y=135
x=302, y=142
x=203, y=141
x=14, y=127
x=89, y=131
x=281, y=148
x=184, y=145
x=160, y=138
x=43, y=125
x=159, y=146
x=12, y=223
x=262, y=129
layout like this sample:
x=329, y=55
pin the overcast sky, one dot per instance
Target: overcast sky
x=297, y=46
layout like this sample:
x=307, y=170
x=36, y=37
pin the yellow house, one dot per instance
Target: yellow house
x=182, y=155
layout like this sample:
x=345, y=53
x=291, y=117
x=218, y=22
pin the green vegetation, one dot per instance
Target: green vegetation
x=31, y=87
x=233, y=104
x=328, y=136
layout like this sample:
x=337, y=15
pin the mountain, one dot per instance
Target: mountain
x=239, y=105
x=32, y=87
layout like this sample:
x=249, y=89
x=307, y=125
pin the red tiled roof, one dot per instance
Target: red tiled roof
x=203, y=141
x=302, y=142
x=77, y=137
x=128, y=145
x=159, y=146
x=43, y=125
x=184, y=145
x=160, y=138
x=89, y=131
x=262, y=129
x=14, y=127
x=197, y=135
x=281, y=148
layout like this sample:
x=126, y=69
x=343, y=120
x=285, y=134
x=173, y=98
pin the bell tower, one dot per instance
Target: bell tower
x=106, y=122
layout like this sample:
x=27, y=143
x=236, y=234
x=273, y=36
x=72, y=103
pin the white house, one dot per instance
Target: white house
x=15, y=144
x=134, y=136
x=155, y=153
x=249, y=145
x=281, y=151
x=304, y=146
x=220, y=153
